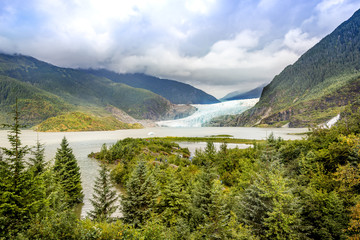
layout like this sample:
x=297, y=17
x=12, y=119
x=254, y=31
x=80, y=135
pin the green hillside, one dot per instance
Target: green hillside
x=77, y=121
x=35, y=104
x=316, y=87
x=176, y=92
x=45, y=90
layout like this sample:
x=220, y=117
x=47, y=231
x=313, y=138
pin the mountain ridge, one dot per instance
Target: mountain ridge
x=317, y=76
x=176, y=92
x=29, y=79
x=239, y=95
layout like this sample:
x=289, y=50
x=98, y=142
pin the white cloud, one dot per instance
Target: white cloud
x=199, y=6
x=298, y=41
x=215, y=45
x=326, y=5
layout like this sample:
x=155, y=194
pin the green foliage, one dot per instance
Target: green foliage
x=77, y=121
x=35, y=105
x=104, y=197
x=141, y=193
x=324, y=214
x=60, y=225
x=22, y=194
x=68, y=173
x=37, y=162
x=126, y=153
x=105, y=230
x=304, y=189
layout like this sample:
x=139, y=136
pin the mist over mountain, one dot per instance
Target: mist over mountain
x=239, y=95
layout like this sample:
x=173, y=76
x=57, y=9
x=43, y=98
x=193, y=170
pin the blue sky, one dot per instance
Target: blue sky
x=217, y=45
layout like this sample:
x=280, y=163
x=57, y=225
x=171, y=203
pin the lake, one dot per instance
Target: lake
x=84, y=143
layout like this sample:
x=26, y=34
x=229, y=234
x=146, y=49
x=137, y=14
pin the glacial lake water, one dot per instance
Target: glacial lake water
x=84, y=143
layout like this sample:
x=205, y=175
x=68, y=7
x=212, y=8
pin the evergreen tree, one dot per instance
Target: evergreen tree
x=140, y=199
x=37, y=162
x=270, y=207
x=210, y=151
x=216, y=224
x=201, y=197
x=15, y=154
x=174, y=203
x=68, y=173
x=21, y=195
x=103, y=198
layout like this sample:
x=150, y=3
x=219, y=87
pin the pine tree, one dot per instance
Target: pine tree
x=140, y=199
x=103, y=198
x=68, y=173
x=37, y=162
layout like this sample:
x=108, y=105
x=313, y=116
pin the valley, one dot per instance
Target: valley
x=180, y=120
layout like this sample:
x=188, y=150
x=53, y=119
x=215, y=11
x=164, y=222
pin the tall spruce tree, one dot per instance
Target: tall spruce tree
x=68, y=173
x=22, y=196
x=104, y=197
x=37, y=162
x=140, y=199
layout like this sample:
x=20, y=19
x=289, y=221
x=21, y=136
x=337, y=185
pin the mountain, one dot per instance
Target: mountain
x=45, y=90
x=77, y=121
x=175, y=92
x=239, y=95
x=315, y=88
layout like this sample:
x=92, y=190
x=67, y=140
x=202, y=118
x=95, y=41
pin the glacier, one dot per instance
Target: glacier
x=205, y=112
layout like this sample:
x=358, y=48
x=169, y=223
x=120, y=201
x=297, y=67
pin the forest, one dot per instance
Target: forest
x=275, y=189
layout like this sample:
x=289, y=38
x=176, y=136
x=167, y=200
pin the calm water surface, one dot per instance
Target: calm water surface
x=84, y=143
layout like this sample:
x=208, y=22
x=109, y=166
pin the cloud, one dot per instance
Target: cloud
x=328, y=14
x=298, y=41
x=215, y=45
x=199, y=6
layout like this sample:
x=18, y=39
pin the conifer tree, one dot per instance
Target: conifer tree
x=21, y=195
x=201, y=197
x=216, y=224
x=68, y=173
x=140, y=199
x=270, y=207
x=175, y=201
x=37, y=162
x=104, y=197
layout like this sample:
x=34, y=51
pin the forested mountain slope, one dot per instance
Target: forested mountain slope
x=33, y=81
x=176, y=92
x=316, y=87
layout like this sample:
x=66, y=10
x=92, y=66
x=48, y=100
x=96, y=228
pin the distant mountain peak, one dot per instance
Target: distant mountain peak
x=176, y=92
x=239, y=95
